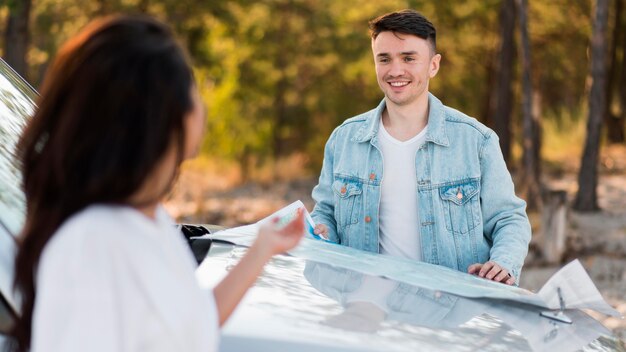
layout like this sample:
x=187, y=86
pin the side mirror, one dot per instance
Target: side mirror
x=199, y=245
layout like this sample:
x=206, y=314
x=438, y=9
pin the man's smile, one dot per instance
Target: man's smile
x=399, y=83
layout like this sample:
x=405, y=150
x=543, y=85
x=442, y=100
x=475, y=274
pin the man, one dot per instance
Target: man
x=415, y=178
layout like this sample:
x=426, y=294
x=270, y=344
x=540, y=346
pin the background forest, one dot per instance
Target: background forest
x=277, y=76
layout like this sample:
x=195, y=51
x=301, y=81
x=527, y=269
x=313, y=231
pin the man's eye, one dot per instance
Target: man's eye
x=409, y=59
x=383, y=61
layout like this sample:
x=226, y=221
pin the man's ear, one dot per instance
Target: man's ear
x=434, y=65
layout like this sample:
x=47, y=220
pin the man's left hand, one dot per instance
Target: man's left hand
x=492, y=271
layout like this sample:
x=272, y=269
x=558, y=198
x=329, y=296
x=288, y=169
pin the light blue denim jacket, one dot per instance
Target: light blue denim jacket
x=468, y=211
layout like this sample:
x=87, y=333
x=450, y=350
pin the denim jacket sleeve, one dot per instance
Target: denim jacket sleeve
x=324, y=210
x=504, y=214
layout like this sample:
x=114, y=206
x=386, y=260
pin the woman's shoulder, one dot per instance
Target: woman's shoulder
x=96, y=234
x=99, y=223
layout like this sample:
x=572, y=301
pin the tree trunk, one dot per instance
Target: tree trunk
x=586, y=198
x=280, y=103
x=536, y=135
x=621, y=120
x=17, y=36
x=530, y=158
x=615, y=122
x=103, y=7
x=554, y=225
x=502, y=94
x=143, y=5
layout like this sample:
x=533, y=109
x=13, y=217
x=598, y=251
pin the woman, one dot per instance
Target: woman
x=100, y=266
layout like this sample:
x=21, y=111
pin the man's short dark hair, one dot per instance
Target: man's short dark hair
x=405, y=22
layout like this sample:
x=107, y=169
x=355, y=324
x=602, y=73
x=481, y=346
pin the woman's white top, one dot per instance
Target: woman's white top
x=113, y=279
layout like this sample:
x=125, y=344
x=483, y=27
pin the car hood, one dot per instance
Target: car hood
x=337, y=298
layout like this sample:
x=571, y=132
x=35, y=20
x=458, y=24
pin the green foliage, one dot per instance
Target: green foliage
x=277, y=76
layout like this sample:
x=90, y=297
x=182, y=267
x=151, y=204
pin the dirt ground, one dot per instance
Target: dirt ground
x=598, y=239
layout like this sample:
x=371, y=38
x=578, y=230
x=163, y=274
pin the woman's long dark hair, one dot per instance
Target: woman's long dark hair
x=112, y=103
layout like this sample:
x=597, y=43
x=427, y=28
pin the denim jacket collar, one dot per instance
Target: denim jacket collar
x=436, y=123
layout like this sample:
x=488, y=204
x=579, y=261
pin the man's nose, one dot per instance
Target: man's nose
x=396, y=68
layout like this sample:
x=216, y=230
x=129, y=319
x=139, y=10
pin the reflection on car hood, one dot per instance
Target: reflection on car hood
x=570, y=287
x=306, y=305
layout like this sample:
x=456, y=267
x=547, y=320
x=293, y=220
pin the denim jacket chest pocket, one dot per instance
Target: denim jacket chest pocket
x=347, y=201
x=461, y=205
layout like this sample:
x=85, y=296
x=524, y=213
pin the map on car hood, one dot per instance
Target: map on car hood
x=569, y=288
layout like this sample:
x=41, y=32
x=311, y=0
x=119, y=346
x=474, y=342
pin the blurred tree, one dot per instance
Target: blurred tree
x=292, y=71
x=586, y=198
x=559, y=35
x=501, y=100
x=468, y=39
x=17, y=35
x=530, y=178
x=622, y=86
x=614, y=118
x=278, y=76
x=53, y=22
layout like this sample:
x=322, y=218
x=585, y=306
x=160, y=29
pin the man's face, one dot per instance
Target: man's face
x=404, y=65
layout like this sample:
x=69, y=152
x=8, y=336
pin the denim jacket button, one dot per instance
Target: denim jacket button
x=459, y=195
x=368, y=219
x=343, y=190
x=372, y=176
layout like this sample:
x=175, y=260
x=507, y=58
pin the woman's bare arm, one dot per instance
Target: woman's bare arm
x=270, y=241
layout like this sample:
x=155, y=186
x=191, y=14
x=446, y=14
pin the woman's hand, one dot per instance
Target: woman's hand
x=270, y=241
x=274, y=240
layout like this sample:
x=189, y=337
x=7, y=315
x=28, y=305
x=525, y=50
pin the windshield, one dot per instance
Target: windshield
x=17, y=103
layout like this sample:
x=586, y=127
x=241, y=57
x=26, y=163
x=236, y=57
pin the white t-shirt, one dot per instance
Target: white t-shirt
x=398, y=217
x=112, y=279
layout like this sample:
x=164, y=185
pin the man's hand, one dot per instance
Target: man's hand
x=321, y=230
x=492, y=271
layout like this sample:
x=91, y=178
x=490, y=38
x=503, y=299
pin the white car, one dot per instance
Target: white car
x=326, y=297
